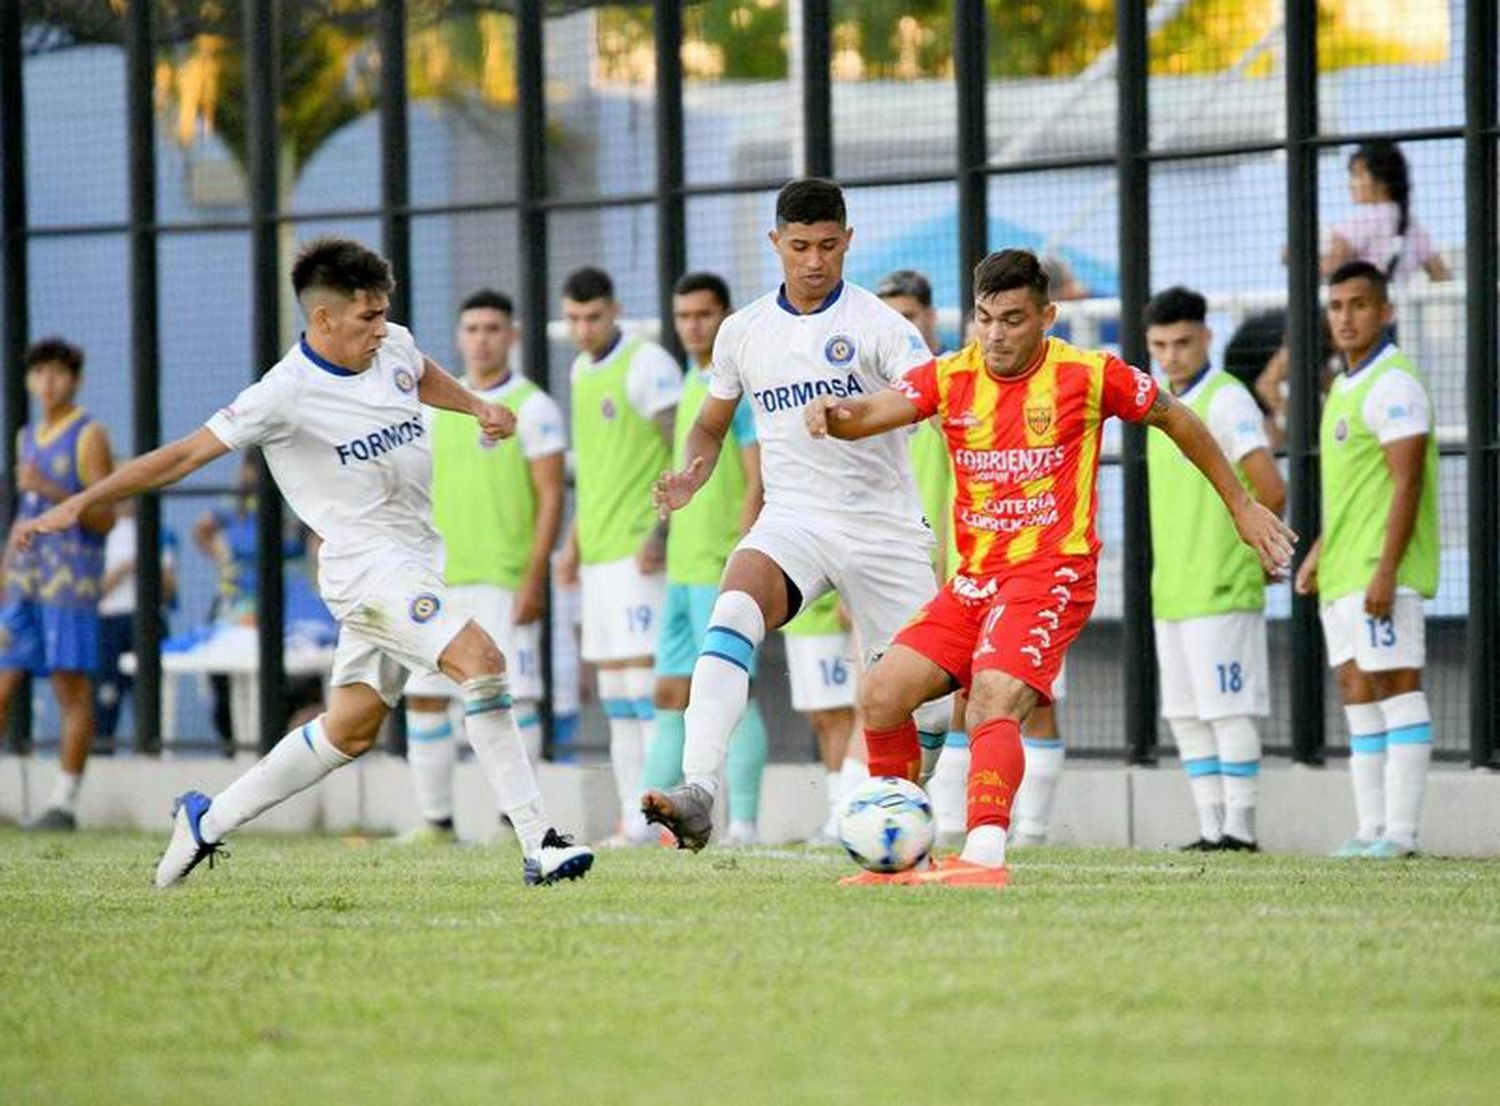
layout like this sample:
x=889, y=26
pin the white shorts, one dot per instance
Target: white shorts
x=491, y=605
x=402, y=625
x=1376, y=644
x=1213, y=667
x=621, y=610
x=884, y=575
x=821, y=670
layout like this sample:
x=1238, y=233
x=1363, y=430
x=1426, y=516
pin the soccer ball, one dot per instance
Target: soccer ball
x=886, y=825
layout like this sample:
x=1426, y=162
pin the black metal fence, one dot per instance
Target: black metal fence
x=156, y=166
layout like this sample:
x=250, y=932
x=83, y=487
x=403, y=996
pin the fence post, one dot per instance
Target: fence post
x=1135, y=286
x=971, y=75
x=1304, y=345
x=1481, y=448
x=817, y=90
x=671, y=219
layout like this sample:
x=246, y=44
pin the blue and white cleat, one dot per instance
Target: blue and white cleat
x=187, y=848
x=1352, y=848
x=558, y=859
x=1386, y=849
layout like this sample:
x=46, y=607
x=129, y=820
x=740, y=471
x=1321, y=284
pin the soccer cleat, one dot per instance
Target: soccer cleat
x=427, y=835
x=1230, y=844
x=1203, y=845
x=187, y=848
x=1029, y=840
x=558, y=859
x=1386, y=849
x=880, y=879
x=52, y=820
x=1352, y=848
x=686, y=811
x=954, y=871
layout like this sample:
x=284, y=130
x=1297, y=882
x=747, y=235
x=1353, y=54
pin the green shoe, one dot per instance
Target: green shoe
x=1386, y=849
x=1354, y=847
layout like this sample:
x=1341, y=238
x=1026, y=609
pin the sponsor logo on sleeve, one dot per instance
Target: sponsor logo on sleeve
x=1341, y=430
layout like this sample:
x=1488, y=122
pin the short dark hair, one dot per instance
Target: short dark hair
x=588, y=284
x=810, y=200
x=1007, y=270
x=341, y=265
x=906, y=282
x=1361, y=270
x=703, y=282
x=1175, y=305
x=490, y=299
x=54, y=350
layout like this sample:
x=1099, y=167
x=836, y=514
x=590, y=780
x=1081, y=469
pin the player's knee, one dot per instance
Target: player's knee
x=473, y=654
x=1399, y=681
x=1354, y=685
x=998, y=695
x=885, y=703
x=352, y=736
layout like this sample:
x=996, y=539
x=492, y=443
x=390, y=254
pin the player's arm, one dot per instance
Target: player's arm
x=1265, y=479
x=437, y=388
x=1405, y=458
x=854, y=417
x=95, y=462
x=755, y=489
x=1307, y=573
x=674, y=490
x=547, y=483
x=1258, y=527
x=163, y=466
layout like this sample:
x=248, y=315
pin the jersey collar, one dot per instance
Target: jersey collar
x=321, y=361
x=1193, y=382
x=1370, y=358
x=609, y=350
x=828, y=300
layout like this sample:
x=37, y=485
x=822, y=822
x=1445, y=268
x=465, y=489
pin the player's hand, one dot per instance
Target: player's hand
x=1263, y=531
x=59, y=518
x=651, y=557
x=30, y=479
x=823, y=410
x=1306, y=582
x=496, y=421
x=674, y=490
x=531, y=602
x=1380, y=596
x=565, y=567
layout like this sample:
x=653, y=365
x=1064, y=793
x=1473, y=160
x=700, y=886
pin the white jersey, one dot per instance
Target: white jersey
x=351, y=454
x=853, y=345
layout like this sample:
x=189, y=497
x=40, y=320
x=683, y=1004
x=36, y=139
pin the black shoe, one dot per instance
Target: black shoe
x=1237, y=845
x=1203, y=845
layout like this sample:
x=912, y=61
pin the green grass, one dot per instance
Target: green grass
x=314, y=971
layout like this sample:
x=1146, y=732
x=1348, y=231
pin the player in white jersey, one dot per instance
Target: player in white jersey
x=339, y=420
x=837, y=515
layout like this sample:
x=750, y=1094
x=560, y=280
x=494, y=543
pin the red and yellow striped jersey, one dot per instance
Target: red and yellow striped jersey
x=1026, y=449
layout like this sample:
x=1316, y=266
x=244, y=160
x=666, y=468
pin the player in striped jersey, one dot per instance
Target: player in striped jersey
x=1023, y=415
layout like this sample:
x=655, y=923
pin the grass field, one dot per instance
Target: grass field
x=326, y=971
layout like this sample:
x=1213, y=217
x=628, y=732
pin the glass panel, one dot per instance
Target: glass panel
x=740, y=116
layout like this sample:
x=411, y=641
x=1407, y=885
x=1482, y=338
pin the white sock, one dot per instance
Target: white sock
x=721, y=686
x=742, y=830
x=852, y=773
x=985, y=845
x=627, y=752
x=834, y=783
x=1238, y=743
x=949, y=787
x=640, y=688
x=529, y=721
x=65, y=791
x=502, y=758
x=1200, y=759
x=1408, y=736
x=1367, y=767
x=1044, y=767
x=299, y=760
x=431, y=753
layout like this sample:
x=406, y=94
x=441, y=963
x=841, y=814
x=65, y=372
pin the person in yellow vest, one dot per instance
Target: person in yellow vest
x=703, y=535
x=624, y=403
x=1377, y=559
x=498, y=507
x=1207, y=588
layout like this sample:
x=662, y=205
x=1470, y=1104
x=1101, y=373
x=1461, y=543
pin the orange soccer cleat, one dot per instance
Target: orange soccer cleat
x=951, y=871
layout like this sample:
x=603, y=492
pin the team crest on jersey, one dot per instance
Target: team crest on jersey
x=1340, y=430
x=424, y=607
x=405, y=381
x=1038, y=419
x=607, y=409
x=839, y=350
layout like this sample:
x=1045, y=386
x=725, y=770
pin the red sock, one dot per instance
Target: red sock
x=894, y=752
x=997, y=761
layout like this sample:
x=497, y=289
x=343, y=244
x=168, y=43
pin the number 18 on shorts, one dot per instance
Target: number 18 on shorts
x=1213, y=667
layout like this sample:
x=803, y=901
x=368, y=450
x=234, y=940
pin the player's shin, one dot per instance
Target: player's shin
x=431, y=753
x=1199, y=753
x=932, y=730
x=1408, y=721
x=299, y=760
x=1238, y=744
x=529, y=721
x=748, y=748
x=1367, y=745
x=997, y=766
x=1044, y=768
x=721, y=686
x=664, y=753
x=491, y=729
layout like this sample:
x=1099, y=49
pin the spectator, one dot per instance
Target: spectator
x=1382, y=230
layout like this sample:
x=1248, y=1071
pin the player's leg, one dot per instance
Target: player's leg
x=1194, y=738
x=997, y=703
x=1367, y=736
x=676, y=650
x=949, y=784
x=431, y=756
x=1392, y=656
x=75, y=704
x=901, y=681
x=1042, y=740
x=820, y=676
x=522, y=646
x=1227, y=653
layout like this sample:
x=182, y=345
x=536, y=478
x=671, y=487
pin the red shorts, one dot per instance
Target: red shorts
x=1020, y=624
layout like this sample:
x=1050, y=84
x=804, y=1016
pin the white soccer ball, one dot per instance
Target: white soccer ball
x=886, y=824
